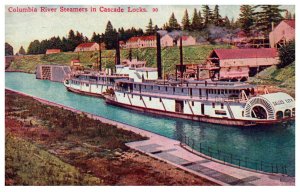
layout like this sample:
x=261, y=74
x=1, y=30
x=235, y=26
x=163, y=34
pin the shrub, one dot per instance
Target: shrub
x=287, y=54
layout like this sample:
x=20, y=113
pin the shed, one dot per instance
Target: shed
x=282, y=33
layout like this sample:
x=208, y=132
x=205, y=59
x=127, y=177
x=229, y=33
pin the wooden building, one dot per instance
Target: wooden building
x=282, y=33
x=235, y=64
x=187, y=41
x=167, y=41
x=141, y=42
x=89, y=47
x=52, y=51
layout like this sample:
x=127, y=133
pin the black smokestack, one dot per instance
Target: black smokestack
x=130, y=55
x=158, y=55
x=181, y=57
x=118, y=61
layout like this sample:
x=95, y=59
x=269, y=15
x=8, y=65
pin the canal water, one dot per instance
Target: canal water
x=272, y=144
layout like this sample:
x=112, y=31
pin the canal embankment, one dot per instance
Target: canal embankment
x=64, y=146
x=171, y=152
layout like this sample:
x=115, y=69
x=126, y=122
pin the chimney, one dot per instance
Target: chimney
x=158, y=55
x=181, y=57
x=118, y=51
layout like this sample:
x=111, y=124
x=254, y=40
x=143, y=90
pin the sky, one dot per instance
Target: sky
x=22, y=28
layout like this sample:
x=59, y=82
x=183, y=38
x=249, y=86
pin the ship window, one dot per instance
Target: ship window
x=152, y=87
x=220, y=112
x=215, y=91
x=149, y=98
x=134, y=85
x=145, y=86
x=192, y=103
x=293, y=112
x=182, y=90
x=225, y=91
x=86, y=84
x=173, y=89
x=219, y=91
x=222, y=106
x=213, y=105
x=166, y=88
x=158, y=87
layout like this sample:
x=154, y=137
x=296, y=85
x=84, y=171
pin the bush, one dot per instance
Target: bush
x=287, y=54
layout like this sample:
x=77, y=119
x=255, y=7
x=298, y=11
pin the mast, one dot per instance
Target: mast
x=181, y=58
x=100, y=59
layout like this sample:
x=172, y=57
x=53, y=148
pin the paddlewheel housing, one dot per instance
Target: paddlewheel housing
x=271, y=106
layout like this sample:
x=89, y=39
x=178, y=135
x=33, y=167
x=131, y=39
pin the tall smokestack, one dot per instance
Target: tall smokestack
x=181, y=58
x=158, y=55
x=118, y=51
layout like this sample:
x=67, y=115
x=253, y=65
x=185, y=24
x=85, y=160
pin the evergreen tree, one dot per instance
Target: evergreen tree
x=227, y=22
x=110, y=36
x=207, y=15
x=156, y=28
x=246, y=19
x=287, y=54
x=217, y=19
x=95, y=37
x=173, y=24
x=149, y=28
x=269, y=14
x=9, y=50
x=185, y=21
x=200, y=18
x=196, y=22
x=22, y=51
x=34, y=47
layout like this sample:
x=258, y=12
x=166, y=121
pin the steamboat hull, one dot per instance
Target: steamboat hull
x=199, y=118
x=84, y=92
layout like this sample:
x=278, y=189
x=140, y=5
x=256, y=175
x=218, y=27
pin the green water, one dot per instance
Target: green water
x=273, y=144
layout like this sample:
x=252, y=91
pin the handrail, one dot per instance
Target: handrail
x=234, y=160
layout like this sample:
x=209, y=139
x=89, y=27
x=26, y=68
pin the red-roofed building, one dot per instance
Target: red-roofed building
x=89, y=47
x=141, y=42
x=237, y=63
x=51, y=51
x=282, y=33
x=187, y=40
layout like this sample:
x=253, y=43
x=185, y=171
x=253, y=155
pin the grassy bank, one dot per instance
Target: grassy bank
x=47, y=145
x=283, y=78
x=170, y=57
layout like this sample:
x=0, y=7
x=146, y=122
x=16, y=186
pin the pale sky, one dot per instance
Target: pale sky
x=22, y=28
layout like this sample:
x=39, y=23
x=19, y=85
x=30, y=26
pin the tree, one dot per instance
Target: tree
x=9, y=50
x=185, y=21
x=217, y=19
x=34, y=47
x=173, y=24
x=269, y=14
x=207, y=15
x=287, y=54
x=149, y=28
x=227, y=22
x=95, y=37
x=246, y=19
x=196, y=21
x=110, y=36
x=22, y=51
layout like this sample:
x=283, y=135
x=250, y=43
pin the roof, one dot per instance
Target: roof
x=53, y=51
x=184, y=38
x=245, y=53
x=290, y=22
x=84, y=45
x=142, y=38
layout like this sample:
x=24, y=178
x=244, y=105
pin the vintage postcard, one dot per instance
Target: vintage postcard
x=150, y=95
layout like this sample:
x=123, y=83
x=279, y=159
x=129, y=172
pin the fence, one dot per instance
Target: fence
x=229, y=158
